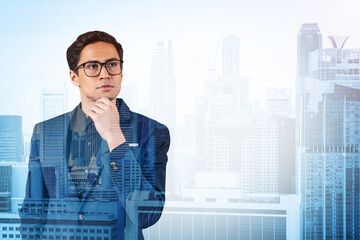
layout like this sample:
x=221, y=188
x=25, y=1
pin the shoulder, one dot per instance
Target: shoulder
x=57, y=124
x=140, y=121
x=144, y=120
x=149, y=128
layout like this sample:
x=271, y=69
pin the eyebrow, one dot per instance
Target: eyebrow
x=109, y=59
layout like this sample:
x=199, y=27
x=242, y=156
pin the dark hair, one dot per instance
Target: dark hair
x=73, y=52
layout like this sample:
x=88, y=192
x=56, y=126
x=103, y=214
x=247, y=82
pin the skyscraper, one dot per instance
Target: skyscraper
x=11, y=139
x=268, y=158
x=162, y=100
x=5, y=187
x=260, y=156
x=163, y=84
x=231, y=57
x=232, y=82
x=222, y=114
x=328, y=126
x=309, y=39
x=279, y=101
x=53, y=102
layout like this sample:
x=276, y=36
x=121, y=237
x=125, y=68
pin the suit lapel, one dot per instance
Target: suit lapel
x=67, y=151
x=52, y=159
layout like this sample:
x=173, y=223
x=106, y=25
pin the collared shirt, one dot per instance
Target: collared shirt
x=85, y=142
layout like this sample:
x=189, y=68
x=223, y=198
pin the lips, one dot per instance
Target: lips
x=105, y=86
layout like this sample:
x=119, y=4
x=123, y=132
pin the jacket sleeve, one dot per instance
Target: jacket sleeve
x=143, y=176
x=32, y=214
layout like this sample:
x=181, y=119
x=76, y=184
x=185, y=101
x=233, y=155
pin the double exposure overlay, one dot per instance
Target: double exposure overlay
x=238, y=120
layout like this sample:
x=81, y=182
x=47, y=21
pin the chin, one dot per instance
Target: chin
x=110, y=96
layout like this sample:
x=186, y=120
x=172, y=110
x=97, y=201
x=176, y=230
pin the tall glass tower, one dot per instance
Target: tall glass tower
x=328, y=126
x=11, y=139
x=53, y=102
x=309, y=40
x=163, y=84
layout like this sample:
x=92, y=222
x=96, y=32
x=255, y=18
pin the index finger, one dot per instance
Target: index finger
x=105, y=100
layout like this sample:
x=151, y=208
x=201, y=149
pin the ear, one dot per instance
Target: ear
x=121, y=79
x=74, y=78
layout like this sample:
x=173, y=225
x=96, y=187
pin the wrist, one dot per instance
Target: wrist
x=115, y=139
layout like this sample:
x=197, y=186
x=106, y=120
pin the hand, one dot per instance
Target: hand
x=106, y=118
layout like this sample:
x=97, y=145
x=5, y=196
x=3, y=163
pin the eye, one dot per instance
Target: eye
x=92, y=65
x=113, y=64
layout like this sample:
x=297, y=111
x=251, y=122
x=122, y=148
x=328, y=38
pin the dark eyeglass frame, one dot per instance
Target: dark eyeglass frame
x=101, y=66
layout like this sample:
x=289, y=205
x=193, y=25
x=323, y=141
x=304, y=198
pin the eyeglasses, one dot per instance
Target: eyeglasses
x=93, y=68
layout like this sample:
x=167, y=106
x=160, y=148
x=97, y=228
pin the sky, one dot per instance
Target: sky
x=36, y=34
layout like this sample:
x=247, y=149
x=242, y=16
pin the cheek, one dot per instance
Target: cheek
x=88, y=85
x=118, y=85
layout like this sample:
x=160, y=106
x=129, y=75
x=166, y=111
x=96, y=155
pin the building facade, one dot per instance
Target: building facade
x=279, y=101
x=328, y=125
x=11, y=139
x=253, y=217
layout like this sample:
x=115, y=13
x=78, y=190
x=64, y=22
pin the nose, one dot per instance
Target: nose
x=103, y=72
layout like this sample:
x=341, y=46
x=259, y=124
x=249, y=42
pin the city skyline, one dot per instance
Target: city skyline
x=225, y=160
x=262, y=107
x=268, y=49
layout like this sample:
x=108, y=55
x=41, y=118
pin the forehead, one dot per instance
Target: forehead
x=98, y=51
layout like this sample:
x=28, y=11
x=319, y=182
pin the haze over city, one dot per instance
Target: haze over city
x=37, y=34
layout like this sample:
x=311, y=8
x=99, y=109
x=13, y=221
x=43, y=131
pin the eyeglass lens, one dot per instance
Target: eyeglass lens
x=93, y=68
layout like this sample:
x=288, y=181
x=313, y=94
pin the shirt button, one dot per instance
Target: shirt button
x=89, y=143
x=81, y=216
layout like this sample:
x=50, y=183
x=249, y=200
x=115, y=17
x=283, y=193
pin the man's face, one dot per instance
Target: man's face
x=103, y=85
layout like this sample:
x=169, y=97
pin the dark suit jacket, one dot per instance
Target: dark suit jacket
x=129, y=178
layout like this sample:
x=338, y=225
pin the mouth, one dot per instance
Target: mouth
x=105, y=87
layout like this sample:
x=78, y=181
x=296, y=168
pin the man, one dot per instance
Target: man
x=92, y=169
